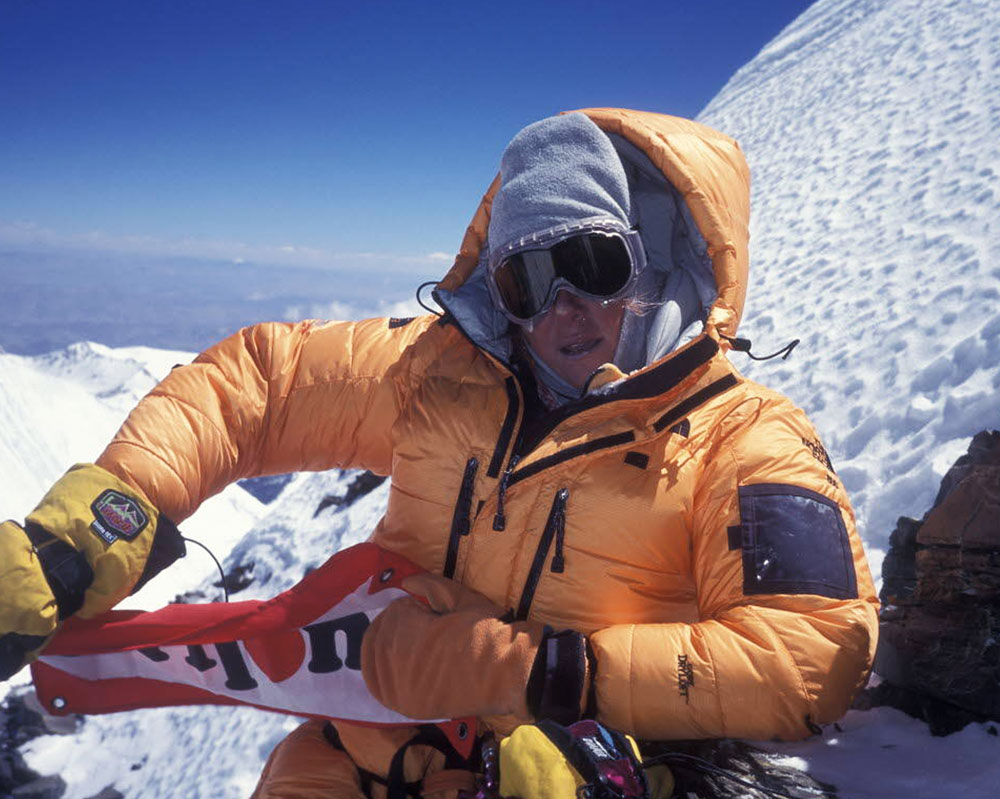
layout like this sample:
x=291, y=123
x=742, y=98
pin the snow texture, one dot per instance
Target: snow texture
x=870, y=127
x=871, y=131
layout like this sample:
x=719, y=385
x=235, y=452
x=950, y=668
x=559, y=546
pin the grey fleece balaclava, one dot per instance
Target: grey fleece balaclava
x=562, y=169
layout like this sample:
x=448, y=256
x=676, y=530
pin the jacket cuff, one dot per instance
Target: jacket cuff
x=558, y=684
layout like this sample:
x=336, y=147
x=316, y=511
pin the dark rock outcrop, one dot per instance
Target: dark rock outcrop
x=939, y=647
x=731, y=769
x=20, y=723
x=238, y=578
x=51, y=787
x=110, y=792
x=363, y=484
x=267, y=488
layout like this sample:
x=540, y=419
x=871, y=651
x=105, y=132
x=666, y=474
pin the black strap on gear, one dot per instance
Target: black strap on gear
x=395, y=784
x=427, y=735
x=66, y=569
x=584, y=758
x=167, y=546
x=365, y=777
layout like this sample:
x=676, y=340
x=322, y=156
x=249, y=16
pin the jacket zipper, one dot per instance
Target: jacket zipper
x=460, y=520
x=559, y=523
x=555, y=528
x=509, y=478
x=576, y=451
x=507, y=428
x=500, y=520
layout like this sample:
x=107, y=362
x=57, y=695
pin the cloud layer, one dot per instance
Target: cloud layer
x=34, y=238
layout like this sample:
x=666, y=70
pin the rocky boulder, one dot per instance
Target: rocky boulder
x=939, y=647
x=20, y=722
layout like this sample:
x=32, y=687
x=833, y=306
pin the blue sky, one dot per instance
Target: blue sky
x=314, y=131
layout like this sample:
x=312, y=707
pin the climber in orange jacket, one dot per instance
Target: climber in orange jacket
x=621, y=526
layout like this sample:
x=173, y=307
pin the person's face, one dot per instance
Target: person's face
x=576, y=335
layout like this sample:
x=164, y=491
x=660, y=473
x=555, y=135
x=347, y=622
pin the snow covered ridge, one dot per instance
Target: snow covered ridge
x=871, y=131
x=63, y=407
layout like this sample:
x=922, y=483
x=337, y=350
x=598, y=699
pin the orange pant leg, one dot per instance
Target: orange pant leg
x=305, y=766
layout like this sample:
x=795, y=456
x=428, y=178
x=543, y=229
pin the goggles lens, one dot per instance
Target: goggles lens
x=598, y=264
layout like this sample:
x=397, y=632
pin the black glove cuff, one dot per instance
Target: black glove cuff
x=590, y=712
x=14, y=649
x=168, y=546
x=558, y=676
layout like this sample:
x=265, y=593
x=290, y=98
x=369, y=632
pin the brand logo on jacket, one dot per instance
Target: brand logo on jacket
x=117, y=516
x=685, y=676
x=819, y=452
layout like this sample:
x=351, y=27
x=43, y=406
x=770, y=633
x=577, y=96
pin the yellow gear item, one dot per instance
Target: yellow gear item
x=28, y=611
x=111, y=523
x=82, y=549
x=532, y=766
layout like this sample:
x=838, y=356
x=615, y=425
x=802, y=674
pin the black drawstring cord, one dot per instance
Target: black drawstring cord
x=743, y=345
x=698, y=763
x=225, y=590
x=420, y=302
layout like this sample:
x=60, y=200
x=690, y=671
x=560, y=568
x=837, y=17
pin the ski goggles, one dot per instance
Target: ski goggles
x=595, y=259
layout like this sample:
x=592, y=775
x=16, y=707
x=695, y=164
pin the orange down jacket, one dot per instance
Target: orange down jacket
x=687, y=520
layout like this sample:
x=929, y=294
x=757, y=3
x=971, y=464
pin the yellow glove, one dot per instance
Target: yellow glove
x=107, y=520
x=29, y=614
x=91, y=540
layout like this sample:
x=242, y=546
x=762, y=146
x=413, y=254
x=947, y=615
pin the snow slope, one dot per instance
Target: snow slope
x=870, y=127
x=63, y=408
x=871, y=131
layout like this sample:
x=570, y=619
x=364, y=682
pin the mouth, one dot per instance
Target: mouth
x=580, y=349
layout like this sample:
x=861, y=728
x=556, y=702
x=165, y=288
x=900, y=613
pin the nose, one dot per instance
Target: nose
x=566, y=303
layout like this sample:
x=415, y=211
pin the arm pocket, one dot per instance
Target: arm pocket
x=794, y=541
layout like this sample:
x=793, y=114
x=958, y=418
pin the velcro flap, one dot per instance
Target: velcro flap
x=794, y=541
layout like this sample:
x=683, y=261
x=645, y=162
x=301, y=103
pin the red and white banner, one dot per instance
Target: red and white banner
x=299, y=653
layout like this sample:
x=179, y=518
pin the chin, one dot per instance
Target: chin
x=578, y=373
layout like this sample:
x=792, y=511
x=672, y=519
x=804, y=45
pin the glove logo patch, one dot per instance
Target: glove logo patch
x=117, y=516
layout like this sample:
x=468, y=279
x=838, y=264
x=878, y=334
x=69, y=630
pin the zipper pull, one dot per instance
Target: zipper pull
x=499, y=520
x=559, y=523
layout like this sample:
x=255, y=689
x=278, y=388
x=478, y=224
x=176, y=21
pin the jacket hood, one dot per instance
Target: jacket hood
x=689, y=197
